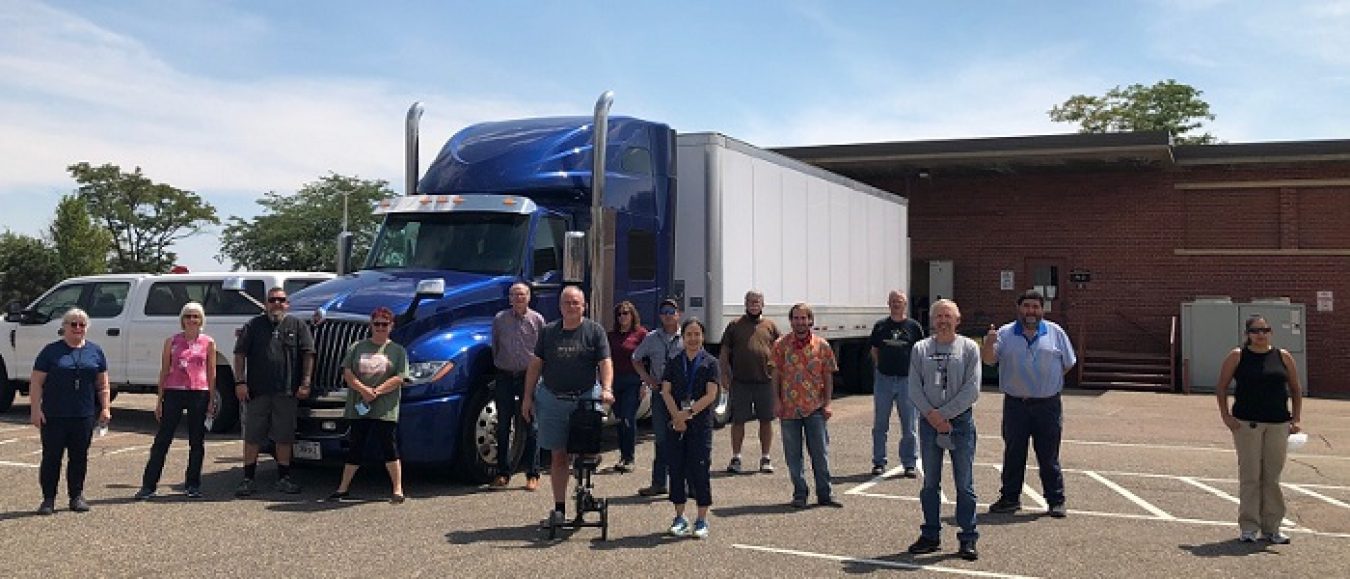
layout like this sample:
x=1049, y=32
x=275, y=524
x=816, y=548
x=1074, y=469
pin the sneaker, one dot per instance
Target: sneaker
x=194, y=492
x=766, y=465
x=47, y=507
x=397, y=499
x=735, y=466
x=967, y=551
x=1004, y=505
x=679, y=527
x=1277, y=538
x=798, y=503
x=79, y=505
x=924, y=546
x=624, y=466
x=286, y=486
x=337, y=496
x=145, y=494
x=700, y=529
x=652, y=491
x=830, y=502
x=910, y=472
x=246, y=488
x=500, y=482
x=878, y=469
x=1058, y=511
x=532, y=483
x=1247, y=537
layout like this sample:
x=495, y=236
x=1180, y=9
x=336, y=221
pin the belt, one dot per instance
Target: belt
x=1034, y=401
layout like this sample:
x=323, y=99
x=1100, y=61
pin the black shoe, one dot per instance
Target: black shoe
x=652, y=491
x=338, y=496
x=145, y=494
x=79, y=505
x=1005, y=505
x=798, y=503
x=1058, y=511
x=878, y=469
x=830, y=502
x=47, y=507
x=924, y=546
x=194, y=492
x=910, y=472
x=967, y=551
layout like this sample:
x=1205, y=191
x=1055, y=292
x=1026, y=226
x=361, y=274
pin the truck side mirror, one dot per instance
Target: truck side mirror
x=574, y=257
x=14, y=311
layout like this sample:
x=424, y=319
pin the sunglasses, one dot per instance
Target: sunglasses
x=1258, y=330
x=275, y=300
x=381, y=324
x=191, y=317
x=625, y=313
x=77, y=324
x=668, y=311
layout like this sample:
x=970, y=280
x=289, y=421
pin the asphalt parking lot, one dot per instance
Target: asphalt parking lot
x=1150, y=477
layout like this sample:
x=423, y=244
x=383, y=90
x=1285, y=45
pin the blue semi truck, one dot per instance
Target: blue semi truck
x=623, y=207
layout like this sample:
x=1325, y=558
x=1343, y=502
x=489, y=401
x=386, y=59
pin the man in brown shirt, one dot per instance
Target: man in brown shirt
x=746, y=346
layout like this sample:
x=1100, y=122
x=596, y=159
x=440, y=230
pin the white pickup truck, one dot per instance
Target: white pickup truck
x=130, y=315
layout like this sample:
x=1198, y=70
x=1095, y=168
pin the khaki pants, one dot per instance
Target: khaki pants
x=1261, y=451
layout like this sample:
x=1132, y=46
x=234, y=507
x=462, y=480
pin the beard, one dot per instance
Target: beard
x=276, y=315
x=1031, y=320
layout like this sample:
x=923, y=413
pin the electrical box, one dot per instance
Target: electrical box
x=1212, y=326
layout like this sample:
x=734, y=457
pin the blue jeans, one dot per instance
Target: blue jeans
x=963, y=473
x=507, y=397
x=1042, y=421
x=893, y=392
x=811, y=430
x=627, y=393
x=660, y=430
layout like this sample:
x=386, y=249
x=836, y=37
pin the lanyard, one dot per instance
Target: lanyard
x=76, y=362
x=690, y=369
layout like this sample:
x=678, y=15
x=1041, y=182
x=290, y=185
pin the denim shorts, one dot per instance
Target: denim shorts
x=553, y=415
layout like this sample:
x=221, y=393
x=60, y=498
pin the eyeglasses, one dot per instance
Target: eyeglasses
x=276, y=300
x=77, y=324
x=381, y=324
x=625, y=313
x=191, y=317
x=1258, y=330
x=669, y=311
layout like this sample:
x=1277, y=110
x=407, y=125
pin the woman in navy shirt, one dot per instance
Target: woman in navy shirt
x=688, y=388
x=69, y=386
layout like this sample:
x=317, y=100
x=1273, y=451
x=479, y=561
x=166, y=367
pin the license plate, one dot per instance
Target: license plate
x=307, y=450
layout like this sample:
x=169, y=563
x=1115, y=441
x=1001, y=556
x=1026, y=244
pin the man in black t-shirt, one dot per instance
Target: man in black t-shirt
x=892, y=339
x=273, y=361
x=572, y=358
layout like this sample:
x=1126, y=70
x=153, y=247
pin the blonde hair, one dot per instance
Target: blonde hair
x=74, y=314
x=191, y=308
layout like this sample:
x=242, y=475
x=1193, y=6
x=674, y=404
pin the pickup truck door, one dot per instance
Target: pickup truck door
x=106, y=304
x=42, y=324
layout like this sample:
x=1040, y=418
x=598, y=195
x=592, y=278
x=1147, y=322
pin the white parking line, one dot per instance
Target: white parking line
x=1303, y=489
x=22, y=464
x=1143, y=504
x=878, y=562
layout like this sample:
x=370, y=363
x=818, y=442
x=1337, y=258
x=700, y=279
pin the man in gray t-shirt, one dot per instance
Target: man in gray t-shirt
x=944, y=383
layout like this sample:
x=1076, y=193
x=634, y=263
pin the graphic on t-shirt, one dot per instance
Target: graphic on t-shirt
x=374, y=364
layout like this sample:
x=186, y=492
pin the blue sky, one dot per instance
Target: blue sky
x=233, y=99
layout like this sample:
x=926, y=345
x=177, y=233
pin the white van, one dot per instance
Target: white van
x=130, y=315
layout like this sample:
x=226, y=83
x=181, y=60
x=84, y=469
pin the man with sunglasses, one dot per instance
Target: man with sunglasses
x=273, y=362
x=1033, y=355
x=659, y=346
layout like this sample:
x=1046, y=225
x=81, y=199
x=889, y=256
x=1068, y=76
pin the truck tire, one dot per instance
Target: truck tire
x=228, y=411
x=8, y=390
x=477, y=460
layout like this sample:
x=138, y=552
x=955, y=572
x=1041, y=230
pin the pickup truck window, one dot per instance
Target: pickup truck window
x=108, y=300
x=167, y=298
x=55, y=304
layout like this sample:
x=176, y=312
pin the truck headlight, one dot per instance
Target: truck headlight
x=420, y=372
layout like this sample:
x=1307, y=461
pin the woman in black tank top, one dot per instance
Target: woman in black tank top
x=1261, y=422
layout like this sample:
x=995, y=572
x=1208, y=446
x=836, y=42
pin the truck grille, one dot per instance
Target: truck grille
x=331, y=340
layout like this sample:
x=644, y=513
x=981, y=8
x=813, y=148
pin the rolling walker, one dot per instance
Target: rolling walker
x=584, y=432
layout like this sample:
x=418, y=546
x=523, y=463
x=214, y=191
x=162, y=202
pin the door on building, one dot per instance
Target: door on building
x=1046, y=275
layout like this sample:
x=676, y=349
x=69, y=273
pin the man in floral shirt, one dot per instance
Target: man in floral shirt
x=803, y=380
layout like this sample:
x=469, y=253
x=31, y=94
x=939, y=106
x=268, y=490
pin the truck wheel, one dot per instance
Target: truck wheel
x=7, y=391
x=478, y=443
x=228, y=411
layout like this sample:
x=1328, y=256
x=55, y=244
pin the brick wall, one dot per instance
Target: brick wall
x=1126, y=228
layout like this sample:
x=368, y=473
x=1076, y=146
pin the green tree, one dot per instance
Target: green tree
x=144, y=218
x=298, y=232
x=1166, y=106
x=29, y=267
x=81, y=245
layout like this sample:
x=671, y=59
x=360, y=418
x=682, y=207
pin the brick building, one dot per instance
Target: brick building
x=1125, y=227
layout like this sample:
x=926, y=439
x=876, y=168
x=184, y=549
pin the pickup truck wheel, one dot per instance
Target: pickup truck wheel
x=7, y=391
x=228, y=411
x=478, y=444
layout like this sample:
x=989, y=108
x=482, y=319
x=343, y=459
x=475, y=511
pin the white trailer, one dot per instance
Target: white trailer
x=748, y=218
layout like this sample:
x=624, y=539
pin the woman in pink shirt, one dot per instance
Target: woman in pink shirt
x=187, y=371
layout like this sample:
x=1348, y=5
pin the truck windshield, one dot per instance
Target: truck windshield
x=490, y=243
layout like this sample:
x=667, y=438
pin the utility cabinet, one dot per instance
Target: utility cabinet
x=1212, y=326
